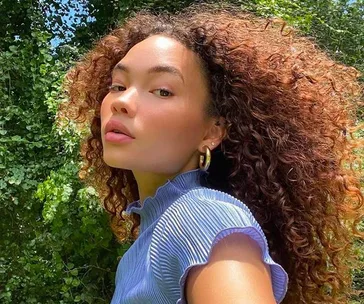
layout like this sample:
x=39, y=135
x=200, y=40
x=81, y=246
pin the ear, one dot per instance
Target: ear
x=216, y=132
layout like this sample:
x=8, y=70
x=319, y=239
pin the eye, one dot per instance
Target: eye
x=116, y=88
x=164, y=92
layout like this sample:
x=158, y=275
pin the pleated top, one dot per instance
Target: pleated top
x=179, y=227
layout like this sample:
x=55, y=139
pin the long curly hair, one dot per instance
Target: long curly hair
x=289, y=154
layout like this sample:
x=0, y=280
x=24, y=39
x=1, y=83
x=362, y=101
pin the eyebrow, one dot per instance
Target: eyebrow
x=155, y=69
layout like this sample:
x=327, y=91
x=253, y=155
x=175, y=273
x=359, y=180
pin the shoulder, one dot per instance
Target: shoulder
x=201, y=218
x=190, y=228
x=235, y=264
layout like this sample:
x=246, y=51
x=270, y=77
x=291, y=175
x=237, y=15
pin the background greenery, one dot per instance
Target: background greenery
x=55, y=245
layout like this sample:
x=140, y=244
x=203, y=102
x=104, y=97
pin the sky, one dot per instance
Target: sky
x=70, y=17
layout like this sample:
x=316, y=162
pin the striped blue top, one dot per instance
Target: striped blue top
x=178, y=228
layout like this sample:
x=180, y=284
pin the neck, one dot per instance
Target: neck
x=149, y=182
x=156, y=203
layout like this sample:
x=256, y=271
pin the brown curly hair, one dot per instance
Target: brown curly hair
x=289, y=153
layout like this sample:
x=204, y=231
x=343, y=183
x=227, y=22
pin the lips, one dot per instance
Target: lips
x=116, y=126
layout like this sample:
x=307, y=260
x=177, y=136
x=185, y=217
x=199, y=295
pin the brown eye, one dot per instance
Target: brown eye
x=164, y=93
x=116, y=88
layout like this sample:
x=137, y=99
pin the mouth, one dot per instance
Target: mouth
x=117, y=138
x=117, y=131
x=117, y=128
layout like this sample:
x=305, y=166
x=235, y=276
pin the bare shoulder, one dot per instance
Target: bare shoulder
x=235, y=274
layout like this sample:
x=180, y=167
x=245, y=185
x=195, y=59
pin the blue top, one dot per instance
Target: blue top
x=178, y=228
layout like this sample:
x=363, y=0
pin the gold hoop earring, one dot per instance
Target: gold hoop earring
x=207, y=159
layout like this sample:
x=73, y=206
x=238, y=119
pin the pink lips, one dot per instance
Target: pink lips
x=116, y=132
x=117, y=138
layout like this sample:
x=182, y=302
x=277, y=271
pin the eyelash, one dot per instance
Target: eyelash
x=116, y=88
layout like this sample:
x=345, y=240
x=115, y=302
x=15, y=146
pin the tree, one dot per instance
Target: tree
x=56, y=246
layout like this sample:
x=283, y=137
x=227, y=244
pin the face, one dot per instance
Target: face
x=158, y=93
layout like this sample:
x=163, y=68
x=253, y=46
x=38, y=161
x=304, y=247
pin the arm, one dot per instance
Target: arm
x=235, y=274
x=191, y=232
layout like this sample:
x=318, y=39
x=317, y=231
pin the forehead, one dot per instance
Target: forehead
x=162, y=50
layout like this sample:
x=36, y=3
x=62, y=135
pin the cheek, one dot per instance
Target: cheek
x=105, y=110
x=105, y=107
x=172, y=143
x=105, y=115
x=178, y=129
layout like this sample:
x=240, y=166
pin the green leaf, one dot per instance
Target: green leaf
x=74, y=272
x=70, y=265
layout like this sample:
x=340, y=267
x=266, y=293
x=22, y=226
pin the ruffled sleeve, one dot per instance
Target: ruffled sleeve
x=188, y=230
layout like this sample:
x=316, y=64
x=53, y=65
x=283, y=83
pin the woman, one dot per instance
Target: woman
x=224, y=140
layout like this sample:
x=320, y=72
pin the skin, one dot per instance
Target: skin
x=235, y=274
x=171, y=132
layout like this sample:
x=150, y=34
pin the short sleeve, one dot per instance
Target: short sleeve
x=188, y=230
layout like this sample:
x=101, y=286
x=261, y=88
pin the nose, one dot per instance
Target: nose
x=124, y=102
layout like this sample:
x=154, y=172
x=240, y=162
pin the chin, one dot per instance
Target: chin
x=114, y=162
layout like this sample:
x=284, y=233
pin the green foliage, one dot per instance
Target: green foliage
x=17, y=20
x=337, y=26
x=358, y=274
x=105, y=15
x=71, y=256
x=56, y=246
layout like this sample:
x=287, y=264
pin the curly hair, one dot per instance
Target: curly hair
x=290, y=153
